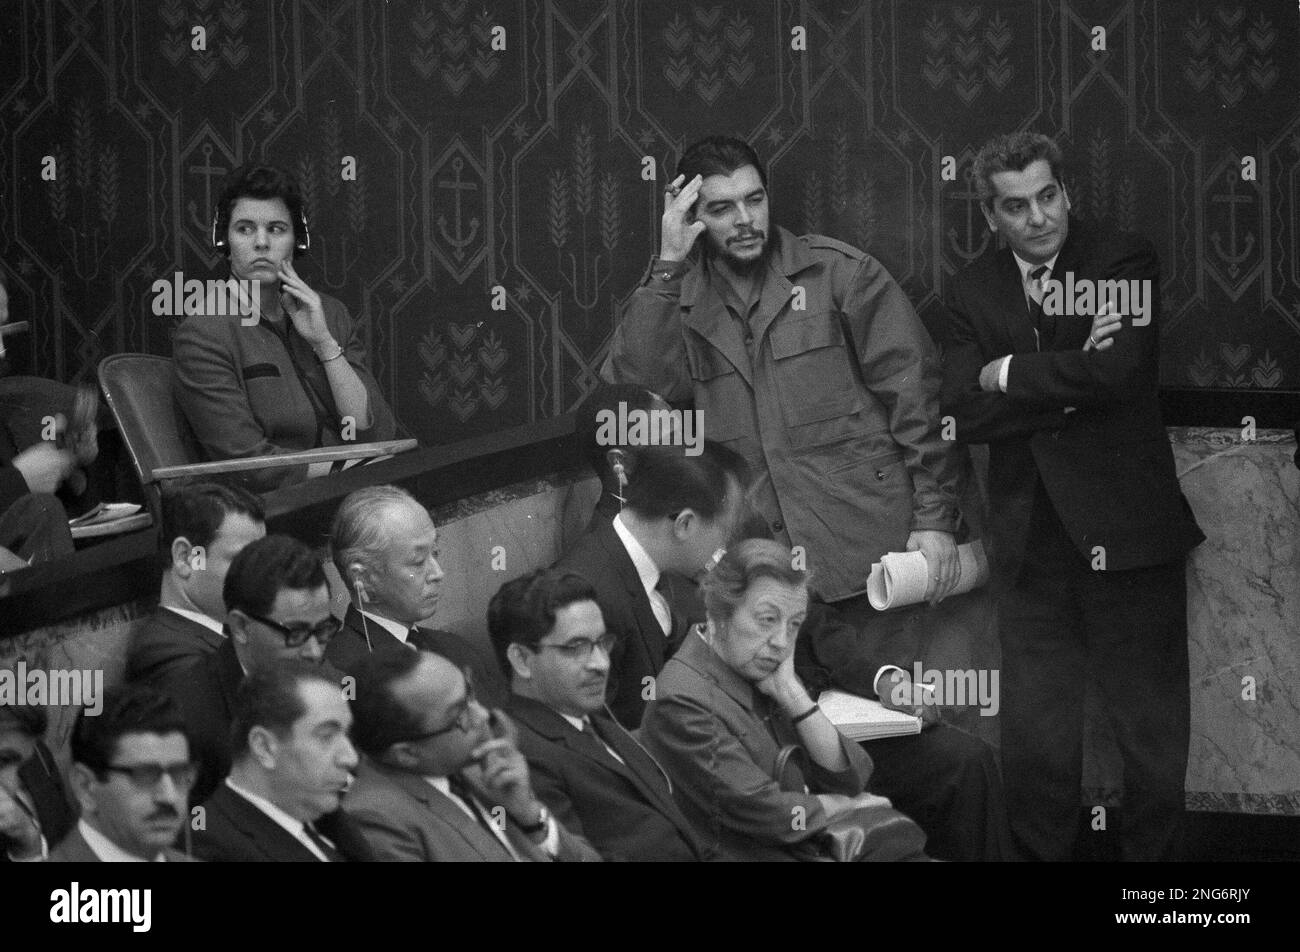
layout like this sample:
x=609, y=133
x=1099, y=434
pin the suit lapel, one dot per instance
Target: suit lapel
x=192, y=629
x=643, y=616
x=268, y=837
x=1019, y=322
x=448, y=814
x=359, y=626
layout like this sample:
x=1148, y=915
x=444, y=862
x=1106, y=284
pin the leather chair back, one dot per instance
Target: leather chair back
x=138, y=388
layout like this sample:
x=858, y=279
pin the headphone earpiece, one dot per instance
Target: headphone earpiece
x=360, y=589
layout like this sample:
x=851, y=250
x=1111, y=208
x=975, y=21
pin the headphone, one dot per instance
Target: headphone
x=360, y=589
x=221, y=222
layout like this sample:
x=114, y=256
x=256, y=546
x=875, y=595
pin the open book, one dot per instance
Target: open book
x=860, y=718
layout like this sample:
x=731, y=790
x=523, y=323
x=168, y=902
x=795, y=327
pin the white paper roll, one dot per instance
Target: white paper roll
x=900, y=578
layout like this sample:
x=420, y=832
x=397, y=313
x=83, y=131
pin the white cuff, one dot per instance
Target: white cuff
x=884, y=669
x=1003, y=372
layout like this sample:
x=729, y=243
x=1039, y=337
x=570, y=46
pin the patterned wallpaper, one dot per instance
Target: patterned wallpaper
x=521, y=168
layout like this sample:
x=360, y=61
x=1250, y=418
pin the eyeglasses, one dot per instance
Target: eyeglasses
x=580, y=649
x=148, y=776
x=463, y=719
x=297, y=636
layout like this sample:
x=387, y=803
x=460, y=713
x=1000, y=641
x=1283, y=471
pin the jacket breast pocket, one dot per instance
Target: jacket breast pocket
x=721, y=394
x=819, y=392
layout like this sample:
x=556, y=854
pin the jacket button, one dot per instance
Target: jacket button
x=778, y=526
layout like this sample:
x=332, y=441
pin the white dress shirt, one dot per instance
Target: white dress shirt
x=1025, y=267
x=207, y=621
x=648, y=572
x=395, y=628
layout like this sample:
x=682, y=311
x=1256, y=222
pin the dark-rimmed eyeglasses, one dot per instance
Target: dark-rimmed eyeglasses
x=462, y=720
x=297, y=636
x=148, y=776
x=580, y=649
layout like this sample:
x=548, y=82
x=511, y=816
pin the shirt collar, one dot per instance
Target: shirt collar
x=579, y=723
x=646, y=569
x=293, y=826
x=106, y=849
x=207, y=621
x=1025, y=267
x=395, y=628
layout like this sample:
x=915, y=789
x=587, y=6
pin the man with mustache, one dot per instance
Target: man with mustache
x=808, y=359
x=550, y=636
x=293, y=762
x=131, y=772
x=385, y=547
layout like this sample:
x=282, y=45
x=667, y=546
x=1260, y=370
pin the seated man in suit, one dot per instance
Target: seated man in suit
x=680, y=510
x=293, y=763
x=550, y=637
x=131, y=771
x=278, y=609
x=385, y=547
x=205, y=525
x=442, y=779
x=36, y=810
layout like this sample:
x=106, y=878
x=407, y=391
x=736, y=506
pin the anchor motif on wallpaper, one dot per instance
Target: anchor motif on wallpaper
x=1232, y=199
x=974, y=226
x=460, y=241
x=204, y=222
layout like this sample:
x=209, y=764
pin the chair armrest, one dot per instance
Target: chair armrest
x=325, y=454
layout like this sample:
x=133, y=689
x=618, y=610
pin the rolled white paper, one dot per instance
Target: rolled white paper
x=901, y=578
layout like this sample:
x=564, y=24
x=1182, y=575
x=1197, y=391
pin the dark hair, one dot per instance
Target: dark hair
x=380, y=719
x=667, y=480
x=1013, y=152
x=742, y=565
x=196, y=510
x=265, y=568
x=133, y=709
x=31, y=719
x=719, y=155
x=270, y=698
x=607, y=397
x=523, y=610
x=253, y=180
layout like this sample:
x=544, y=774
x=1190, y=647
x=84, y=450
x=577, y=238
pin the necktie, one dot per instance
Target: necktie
x=659, y=605
x=461, y=789
x=589, y=727
x=332, y=855
x=1035, y=287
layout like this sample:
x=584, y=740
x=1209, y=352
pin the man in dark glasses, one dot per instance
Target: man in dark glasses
x=131, y=772
x=277, y=609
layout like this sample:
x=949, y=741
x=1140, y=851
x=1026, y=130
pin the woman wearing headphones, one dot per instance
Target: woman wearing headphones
x=292, y=376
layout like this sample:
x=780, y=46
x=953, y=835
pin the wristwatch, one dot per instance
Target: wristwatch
x=543, y=818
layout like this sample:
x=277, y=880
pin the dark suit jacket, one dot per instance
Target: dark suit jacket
x=56, y=811
x=167, y=643
x=1107, y=467
x=75, y=849
x=719, y=740
x=348, y=647
x=238, y=832
x=406, y=820
x=642, y=648
x=624, y=810
x=205, y=692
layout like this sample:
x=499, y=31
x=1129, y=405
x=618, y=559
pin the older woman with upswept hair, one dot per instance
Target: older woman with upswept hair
x=729, y=710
